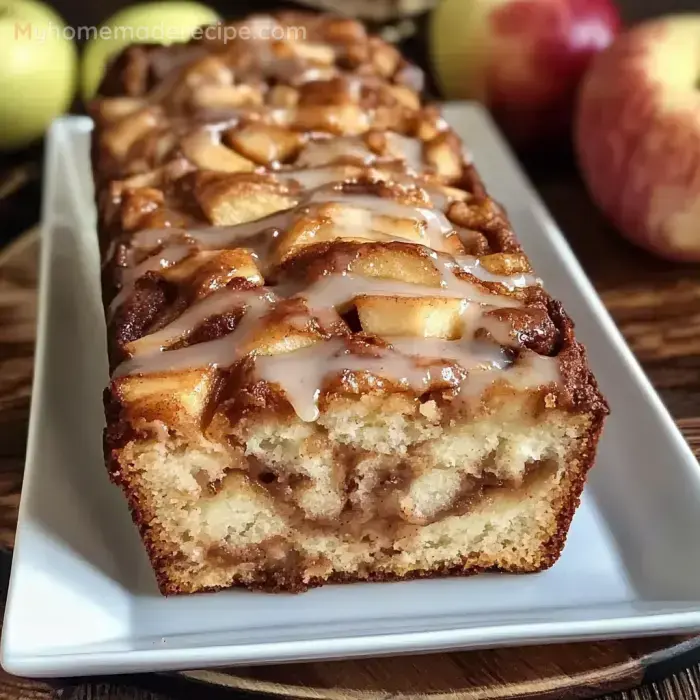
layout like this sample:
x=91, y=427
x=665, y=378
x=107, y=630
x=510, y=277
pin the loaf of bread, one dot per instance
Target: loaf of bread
x=331, y=360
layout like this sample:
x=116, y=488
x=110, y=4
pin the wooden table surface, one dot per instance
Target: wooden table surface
x=655, y=304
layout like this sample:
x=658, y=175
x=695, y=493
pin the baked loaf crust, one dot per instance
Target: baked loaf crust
x=331, y=360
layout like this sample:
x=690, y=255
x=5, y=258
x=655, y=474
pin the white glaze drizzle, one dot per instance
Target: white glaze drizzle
x=301, y=374
x=313, y=178
x=166, y=258
x=287, y=116
x=531, y=371
x=337, y=290
x=218, y=237
x=472, y=265
x=222, y=352
x=326, y=151
x=313, y=74
x=213, y=305
x=340, y=289
x=412, y=363
x=317, y=181
x=407, y=149
x=357, y=215
x=434, y=224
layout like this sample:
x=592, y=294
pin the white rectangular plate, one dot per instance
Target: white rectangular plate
x=82, y=597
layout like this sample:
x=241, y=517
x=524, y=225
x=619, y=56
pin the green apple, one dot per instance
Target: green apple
x=38, y=70
x=150, y=22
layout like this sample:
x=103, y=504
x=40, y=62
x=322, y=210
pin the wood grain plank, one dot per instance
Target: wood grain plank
x=13, y=688
x=18, y=280
x=110, y=691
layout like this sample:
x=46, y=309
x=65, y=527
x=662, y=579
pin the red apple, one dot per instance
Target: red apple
x=523, y=58
x=638, y=135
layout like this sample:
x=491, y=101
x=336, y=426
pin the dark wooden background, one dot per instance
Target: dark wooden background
x=656, y=305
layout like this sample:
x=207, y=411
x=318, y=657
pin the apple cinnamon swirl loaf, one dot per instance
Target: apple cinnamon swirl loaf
x=331, y=360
